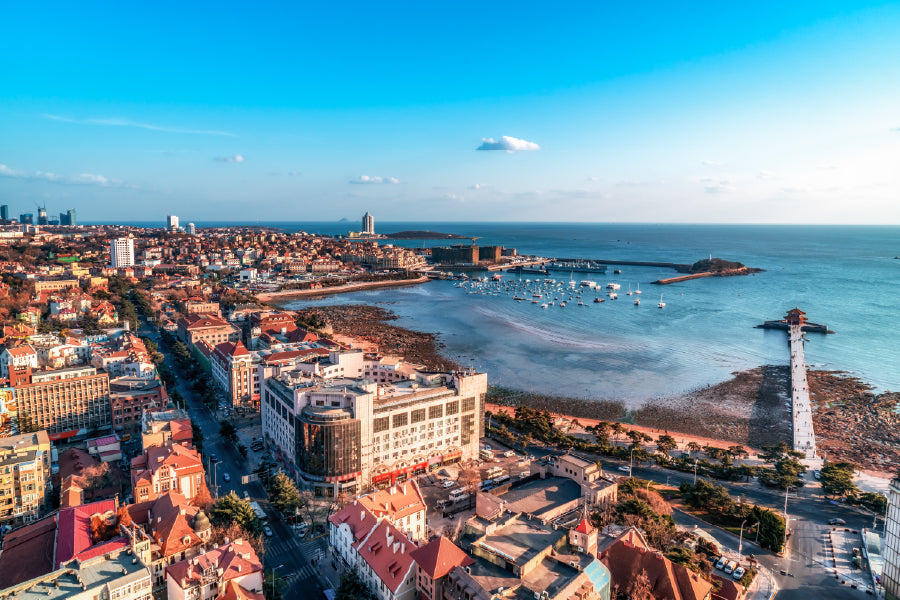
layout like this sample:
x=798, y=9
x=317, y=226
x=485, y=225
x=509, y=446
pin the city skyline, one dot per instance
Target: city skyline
x=767, y=114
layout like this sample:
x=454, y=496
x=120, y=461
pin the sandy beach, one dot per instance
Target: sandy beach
x=341, y=289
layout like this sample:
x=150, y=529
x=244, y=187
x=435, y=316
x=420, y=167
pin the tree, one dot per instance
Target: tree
x=639, y=588
x=352, y=587
x=636, y=437
x=666, y=443
x=469, y=476
x=233, y=531
x=837, y=479
x=284, y=495
x=230, y=509
x=25, y=422
x=123, y=517
x=228, y=432
x=242, y=450
x=196, y=436
x=203, y=499
x=693, y=447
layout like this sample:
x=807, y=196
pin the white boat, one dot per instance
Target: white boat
x=599, y=300
x=613, y=286
x=637, y=301
x=544, y=305
x=562, y=304
x=613, y=295
x=588, y=283
x=661, y=303
x=629, y=292
x=638, y=290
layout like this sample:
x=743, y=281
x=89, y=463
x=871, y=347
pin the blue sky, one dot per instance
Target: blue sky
x=594, y=111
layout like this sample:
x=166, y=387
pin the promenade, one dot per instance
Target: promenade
x=801, y=408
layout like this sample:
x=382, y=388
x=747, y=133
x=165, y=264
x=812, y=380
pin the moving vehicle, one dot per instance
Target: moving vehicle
x=258, y=511
x=837, y=522
x=625, y=469
x=246, y=495
x=226, y=477
x=268, y=531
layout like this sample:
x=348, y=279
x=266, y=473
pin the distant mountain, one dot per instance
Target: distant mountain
x=343, y=220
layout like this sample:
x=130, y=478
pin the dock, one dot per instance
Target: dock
x=801, y=407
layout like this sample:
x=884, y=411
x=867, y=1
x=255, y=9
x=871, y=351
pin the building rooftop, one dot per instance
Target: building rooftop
x=520, y=540
x=542, y=496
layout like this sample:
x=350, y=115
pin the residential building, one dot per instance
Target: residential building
x=891, y=574
x=121, y=252
x=199, y=306
x=158, y=428
x=232, y=570
x=232, y=370
x=18, y=357
x=4, y=212
x=191, y=229
x=67, y=402
x=24, y=477
x=212, y=329
x=343, y=435
x=165, y=531
x=105, y=449
x=595, y=486
x=368, y=224
x=171, y=467
x=434, y=561
x=113, y=574
x=401, y=504
x=130, y=397
x=172, y=222
x=42, y=286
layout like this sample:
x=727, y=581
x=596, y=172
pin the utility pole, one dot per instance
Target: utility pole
x=741, y=539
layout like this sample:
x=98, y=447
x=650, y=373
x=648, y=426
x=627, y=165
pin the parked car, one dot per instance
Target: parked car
x=447, y=484
x=720, y=563
x=268, y=531
x=226, y=477
x=524, y=474
x=246, y=495
x=213, y=458
x=509, y=453
x=817, y=474
x=738, y=573
x=837, y=522
x=729, y=567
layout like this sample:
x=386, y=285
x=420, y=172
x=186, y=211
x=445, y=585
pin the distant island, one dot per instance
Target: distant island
x=422, y=235
x=709, y=267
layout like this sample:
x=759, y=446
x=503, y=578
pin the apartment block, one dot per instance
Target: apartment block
x=130, y=397
x=24, y=477
x=345, y=435
x=891, y=574
x=232, y=370
x=66, y=402
x=212, y=329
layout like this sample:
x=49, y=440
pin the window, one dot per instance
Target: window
x=381, y=424
x=400, y=420
x=417, y=416
x=452, y=407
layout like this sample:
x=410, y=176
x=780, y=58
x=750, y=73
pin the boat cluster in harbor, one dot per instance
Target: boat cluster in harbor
x=547, y=292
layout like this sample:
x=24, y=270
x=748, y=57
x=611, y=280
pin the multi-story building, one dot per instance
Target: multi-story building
x=457, y=254
x=121, y=252
x=158, y=428
x=212, y=329
x=368, y=224
x=232, y=370
x=229, y=571
x=55, y=285
x=891, y=574
x=172, y=222
x=24, y=477
x=191, y=229
x=171, y=467
x=344, y=435
x=402, y=504
x=66, y=402
x=19, y=357
x=130, y=397
x=197, y=307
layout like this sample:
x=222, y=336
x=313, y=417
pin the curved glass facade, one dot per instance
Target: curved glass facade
x=328, y=444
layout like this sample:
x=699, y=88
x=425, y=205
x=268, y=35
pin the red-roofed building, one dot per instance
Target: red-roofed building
x=21, y=357
x=209, y=576
x=193, y=328
x=157, y=428
x=74, y=528
x=629, y=555
x=28, y=552
x=232, y=370
x=171, y=467
x=434, y=561
x=385, y=564
x=401, y=504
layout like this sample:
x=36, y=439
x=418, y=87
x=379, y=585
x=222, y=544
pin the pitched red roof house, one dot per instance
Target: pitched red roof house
x=74, y=528
x=440, y=556
x=28, y=552
x=387, y=551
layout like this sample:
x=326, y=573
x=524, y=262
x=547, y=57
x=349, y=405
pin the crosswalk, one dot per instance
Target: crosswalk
x=308, y=548
x=307, y=572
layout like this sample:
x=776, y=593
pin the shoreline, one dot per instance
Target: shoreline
x=340, y=289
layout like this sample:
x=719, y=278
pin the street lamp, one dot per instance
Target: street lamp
x=741, y=539
x=273, y=578
x=695, y=471
x=631, y=466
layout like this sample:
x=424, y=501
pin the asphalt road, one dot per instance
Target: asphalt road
x=285, y=552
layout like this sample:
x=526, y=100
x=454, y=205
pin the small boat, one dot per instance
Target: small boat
x=661, y=303
x=613, y=286
x=629, y=292
x=544, y=305
x=618, y=271
x=638, y=290
x=598, y=300
x=562, y=304
x=613, y=296
x=497, y=277
x=637, y=301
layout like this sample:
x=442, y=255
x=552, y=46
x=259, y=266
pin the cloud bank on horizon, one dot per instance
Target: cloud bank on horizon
x=374, y=179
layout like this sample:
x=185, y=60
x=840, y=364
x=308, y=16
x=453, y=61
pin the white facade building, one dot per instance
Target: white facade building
x=891, y=575
x=121, y=252
x=368, y=224
x=171, y=222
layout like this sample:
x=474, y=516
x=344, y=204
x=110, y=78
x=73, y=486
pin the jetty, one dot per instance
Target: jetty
x=801, y=407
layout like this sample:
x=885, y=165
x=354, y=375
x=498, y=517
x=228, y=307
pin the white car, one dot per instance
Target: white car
x=738, y=573
x=226, y=477
x=625, y=469
x=447, y=484
x=268, y=531
x=509, y=453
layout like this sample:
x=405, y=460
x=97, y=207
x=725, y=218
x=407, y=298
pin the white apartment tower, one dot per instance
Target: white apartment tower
x=191, y=229
x=368, y=224
x=171, y=222
x=891, y=575
x=121, y=252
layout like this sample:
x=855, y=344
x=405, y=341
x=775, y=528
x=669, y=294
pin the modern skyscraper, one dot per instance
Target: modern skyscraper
x=26, y=219
x=191, y=228
x=42, y=216
x=121, y=252
x=4, y=212
x=891, y=574
x=68, y=217
x=368, y=224
x=171, y=222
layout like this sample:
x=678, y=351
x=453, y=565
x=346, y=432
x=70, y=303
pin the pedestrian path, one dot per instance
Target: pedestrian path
x=801, y=408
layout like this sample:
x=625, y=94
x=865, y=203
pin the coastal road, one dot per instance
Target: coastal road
x=285, y=551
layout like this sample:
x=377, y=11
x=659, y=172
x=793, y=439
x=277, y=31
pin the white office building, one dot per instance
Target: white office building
x=121, y=252
x=891, y=575
x=171, y=222
x=368, y=224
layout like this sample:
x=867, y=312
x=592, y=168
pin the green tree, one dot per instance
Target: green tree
x=26, y=423
x=228, y=432
x=666, y=443
x=283, y=494
x=230, y=509
x=771, y=528
x=837, y=479
x=352, y=587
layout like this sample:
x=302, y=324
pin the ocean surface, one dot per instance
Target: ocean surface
x=842, y=276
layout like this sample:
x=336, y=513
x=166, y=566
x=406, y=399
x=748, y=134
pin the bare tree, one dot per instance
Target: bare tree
x=469, y=476
x=639, y=588
x=232, y=531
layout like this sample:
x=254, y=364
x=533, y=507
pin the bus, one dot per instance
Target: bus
x=486, y=454
x=494, y=472
x=259, y=512
x=501, y=480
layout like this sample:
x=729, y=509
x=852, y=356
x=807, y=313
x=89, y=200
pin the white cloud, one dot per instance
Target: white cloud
x=82, y=179
x=507, y=144
x=717, y=187
x=374, y=179
x=712, y=163
x=765, y=175
x=237, y=158
x=127, y=123
x=478, y=186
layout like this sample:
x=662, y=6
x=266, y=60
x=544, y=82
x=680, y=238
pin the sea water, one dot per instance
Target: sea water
x=846, y=277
